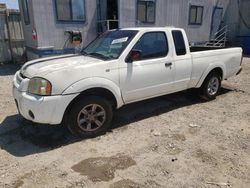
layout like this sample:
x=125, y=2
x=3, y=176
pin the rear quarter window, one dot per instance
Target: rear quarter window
x=179, y=43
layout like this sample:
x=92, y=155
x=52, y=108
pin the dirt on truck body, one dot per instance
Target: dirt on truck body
x=176, y=140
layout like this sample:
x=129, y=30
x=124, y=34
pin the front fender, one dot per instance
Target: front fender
x=96, y=82
x=209, y=69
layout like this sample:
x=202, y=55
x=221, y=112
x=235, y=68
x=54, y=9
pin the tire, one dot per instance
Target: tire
x=211, y=86
x=89, y=117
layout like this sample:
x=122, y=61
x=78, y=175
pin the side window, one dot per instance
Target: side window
x=195, y=15
x=25, y=8
x=152, y=45
x=70, y=10
x=146, y=11
x=179, y=43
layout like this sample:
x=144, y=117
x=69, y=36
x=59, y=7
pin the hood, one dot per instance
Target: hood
x=44, y=66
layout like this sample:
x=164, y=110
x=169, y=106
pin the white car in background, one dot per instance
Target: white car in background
x=120, y=67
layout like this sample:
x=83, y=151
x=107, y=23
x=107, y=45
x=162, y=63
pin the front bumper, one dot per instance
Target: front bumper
x=40, y=109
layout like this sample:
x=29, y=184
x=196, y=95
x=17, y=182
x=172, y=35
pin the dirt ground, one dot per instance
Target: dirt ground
x=171, y=141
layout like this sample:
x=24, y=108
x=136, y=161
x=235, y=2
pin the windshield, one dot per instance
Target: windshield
x=110, y=44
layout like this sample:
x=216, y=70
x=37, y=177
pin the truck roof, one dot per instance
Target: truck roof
x=149, y=28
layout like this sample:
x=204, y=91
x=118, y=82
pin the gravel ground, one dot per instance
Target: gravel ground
x=171, y=141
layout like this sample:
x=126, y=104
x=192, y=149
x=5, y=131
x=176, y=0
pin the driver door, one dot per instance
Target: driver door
x=152, y=74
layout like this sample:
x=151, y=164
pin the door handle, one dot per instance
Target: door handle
x=168, y=64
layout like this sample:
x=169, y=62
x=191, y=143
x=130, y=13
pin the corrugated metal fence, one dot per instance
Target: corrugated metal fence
x=12, y=48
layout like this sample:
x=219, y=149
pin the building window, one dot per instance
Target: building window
x=70, y=10
x=195, y=15
x=146, y=11
x=179, y=43
x=152, y=45
x=25, y=8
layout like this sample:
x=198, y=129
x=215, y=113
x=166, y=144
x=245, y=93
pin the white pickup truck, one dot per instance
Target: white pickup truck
x=120, y=67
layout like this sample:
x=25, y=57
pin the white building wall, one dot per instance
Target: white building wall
x=52, y=32
x=173, y=13
x=28, y=28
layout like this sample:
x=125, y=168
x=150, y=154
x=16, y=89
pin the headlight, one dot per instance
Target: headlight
x=39, y=86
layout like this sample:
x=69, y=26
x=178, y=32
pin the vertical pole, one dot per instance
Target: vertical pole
x=9, y=35
x=108, y=25
x=226, y=30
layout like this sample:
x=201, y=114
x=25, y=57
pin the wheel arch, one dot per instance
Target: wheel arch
x=96, y=91
x=93, y=84
x=219, y=69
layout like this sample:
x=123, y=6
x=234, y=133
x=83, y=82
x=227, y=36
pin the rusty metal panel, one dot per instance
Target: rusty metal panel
x=5, y=55
x=11, y=36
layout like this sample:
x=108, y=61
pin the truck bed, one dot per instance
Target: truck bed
x=205, y=57
x=203, y=48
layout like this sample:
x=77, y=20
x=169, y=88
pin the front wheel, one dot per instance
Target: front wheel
x=90, y=116
x=211, y=86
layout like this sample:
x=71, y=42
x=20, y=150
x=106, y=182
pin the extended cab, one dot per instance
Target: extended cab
x=120, y=67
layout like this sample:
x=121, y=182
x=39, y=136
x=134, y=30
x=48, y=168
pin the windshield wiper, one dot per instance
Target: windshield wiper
x=99, y=55
x=84, y=53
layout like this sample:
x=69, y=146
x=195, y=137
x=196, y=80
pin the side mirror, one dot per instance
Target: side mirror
x=134, y=55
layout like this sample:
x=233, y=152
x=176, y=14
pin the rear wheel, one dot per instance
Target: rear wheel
x=90, y=116
x=211, y=86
